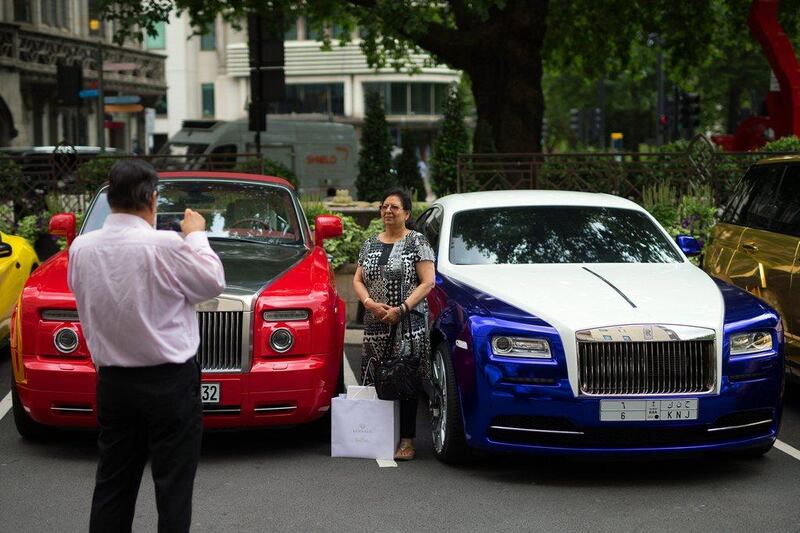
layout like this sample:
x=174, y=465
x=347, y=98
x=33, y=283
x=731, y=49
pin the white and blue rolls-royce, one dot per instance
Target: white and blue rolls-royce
x=572, y=323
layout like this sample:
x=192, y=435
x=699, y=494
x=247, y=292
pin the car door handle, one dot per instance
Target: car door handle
x=749, y=247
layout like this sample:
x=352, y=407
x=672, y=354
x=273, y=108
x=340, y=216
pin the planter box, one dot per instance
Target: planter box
x=344, y=285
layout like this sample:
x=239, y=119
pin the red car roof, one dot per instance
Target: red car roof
x=226, y=175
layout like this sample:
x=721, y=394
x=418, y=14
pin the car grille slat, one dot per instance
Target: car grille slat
x=646, y=367
x=220, y=347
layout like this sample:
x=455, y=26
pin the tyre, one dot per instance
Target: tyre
x=28, y=428
x=447, y=428
x=340, y=387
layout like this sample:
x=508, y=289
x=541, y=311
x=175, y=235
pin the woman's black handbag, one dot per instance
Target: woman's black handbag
x=396, y=374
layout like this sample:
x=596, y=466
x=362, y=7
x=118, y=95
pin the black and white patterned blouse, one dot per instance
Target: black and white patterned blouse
x=390, y=275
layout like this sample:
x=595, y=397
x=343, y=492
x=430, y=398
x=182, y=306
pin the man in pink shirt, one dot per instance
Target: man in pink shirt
x=136, y=289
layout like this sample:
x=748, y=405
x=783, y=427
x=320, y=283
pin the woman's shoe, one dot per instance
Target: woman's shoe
x=405, y=452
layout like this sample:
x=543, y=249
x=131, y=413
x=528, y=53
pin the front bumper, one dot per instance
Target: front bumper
x=507, y=408
x=282, y=392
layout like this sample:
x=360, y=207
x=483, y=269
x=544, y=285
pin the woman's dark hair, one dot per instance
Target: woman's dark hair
x=405, y=199
x=131, y=184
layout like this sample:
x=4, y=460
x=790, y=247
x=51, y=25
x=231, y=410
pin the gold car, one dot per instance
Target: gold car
x=17, y=261
x=756, y=245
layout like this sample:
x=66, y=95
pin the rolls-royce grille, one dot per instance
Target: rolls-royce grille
x=654, y=367
x=220, y=340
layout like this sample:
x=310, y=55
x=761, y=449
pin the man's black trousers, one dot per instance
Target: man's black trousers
x=152, y=412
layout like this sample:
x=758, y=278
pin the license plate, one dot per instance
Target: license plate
x=209, y=392
x=648, y=410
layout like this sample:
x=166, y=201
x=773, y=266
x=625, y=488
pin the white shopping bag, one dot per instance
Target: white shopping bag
x=365, y=428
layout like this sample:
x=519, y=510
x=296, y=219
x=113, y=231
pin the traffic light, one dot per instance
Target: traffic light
x=596, y=126
x=576, y=123
x=689, y=112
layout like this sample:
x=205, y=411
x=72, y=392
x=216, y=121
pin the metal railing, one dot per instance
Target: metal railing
x=623, y=174
x=66, y=180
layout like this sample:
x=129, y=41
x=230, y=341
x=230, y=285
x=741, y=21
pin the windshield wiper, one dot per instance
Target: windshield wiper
x=239, y=239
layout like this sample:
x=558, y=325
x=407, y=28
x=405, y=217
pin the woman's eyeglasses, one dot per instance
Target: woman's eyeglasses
x=392, y=208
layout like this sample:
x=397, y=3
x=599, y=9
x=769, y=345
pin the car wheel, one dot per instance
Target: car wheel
x=449, y=444
x=28, y=428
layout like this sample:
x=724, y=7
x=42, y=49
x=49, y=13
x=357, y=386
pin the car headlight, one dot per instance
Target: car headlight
x=521, y=347
x=744, y=343
x=281, y=340
x=66, y=340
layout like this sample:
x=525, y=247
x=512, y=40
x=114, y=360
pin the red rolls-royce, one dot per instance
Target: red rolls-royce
x=271, y=344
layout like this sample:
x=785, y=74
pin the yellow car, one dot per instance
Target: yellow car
x=17, y=260
x=756, y=245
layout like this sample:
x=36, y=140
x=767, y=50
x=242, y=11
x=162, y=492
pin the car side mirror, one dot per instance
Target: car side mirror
x=5, y=249
x=689, y=245
x=326, y=227
x=63, y=225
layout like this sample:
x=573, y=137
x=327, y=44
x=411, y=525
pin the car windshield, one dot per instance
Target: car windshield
x=557, y=234
x=233, y=210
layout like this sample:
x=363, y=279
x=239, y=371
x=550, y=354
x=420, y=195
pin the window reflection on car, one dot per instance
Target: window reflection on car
x=243, y=211
x=574, y=234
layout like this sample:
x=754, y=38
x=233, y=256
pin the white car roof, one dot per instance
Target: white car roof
x=476, y=200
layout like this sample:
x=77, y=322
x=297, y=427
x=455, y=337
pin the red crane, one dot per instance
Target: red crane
x=783, y=104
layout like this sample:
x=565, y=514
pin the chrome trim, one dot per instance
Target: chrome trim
x=275, y=409
x=646, y=333
x=726, y=428
x=538, y=430
x=291, y=340
x=72, y=409
x=216, y=317
x=646, y=360
x=227, y=411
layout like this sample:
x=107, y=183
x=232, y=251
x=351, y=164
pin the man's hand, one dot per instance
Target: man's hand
x=192, y=221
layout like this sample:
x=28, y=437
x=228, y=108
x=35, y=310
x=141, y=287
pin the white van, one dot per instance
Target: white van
x=323, y=155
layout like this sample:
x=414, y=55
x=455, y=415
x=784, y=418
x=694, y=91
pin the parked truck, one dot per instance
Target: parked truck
x=323, y=155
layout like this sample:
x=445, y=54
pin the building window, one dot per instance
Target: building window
x=416, y=98
x=22, y=10
x=157, y=41
x=54, y=13
x=322, y=98
x=315, y=33
x=208, y=99
x=291, y=32
x=208, y=41
x=161, y=106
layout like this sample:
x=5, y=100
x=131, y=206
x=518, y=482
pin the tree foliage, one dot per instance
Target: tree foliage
x=375, y=158
x=505, y=47
x=451, y=141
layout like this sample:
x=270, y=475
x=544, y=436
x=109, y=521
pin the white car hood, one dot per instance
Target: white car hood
x=570, y=298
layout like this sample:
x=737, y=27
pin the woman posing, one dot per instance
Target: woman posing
x=395, y=273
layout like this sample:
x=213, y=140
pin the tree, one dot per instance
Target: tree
x=499, y=44
x=451, y=141
x=375, y=158
x=407, y=164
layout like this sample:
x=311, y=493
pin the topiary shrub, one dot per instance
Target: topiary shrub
x=451, y=141
x=93, y=174
x=375, y=157
x=784, y=144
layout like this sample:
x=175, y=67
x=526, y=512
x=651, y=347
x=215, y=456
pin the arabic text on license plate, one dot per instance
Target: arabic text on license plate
x=648, y=410
x=209, y=392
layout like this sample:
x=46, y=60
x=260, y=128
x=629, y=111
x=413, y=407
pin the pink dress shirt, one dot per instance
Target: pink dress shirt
x=136, y=289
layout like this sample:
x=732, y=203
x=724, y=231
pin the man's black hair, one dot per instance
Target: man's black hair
x=131, y=184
